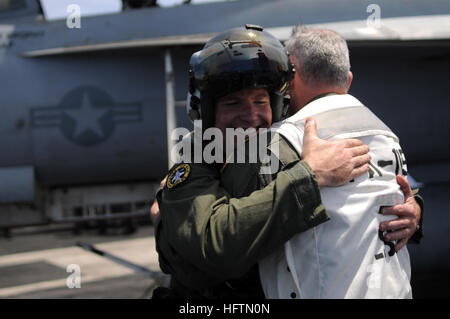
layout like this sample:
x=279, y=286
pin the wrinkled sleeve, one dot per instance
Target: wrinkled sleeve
x=203, y=235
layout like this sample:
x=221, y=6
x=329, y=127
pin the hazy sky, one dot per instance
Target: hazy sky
x=57, y=9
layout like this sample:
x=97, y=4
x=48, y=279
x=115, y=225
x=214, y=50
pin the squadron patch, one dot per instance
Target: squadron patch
x=178, y=175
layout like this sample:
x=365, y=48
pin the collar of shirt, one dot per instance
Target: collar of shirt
x=323, y=103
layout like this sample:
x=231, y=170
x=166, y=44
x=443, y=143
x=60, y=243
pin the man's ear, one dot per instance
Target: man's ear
x=292, y=82
x=350, y=78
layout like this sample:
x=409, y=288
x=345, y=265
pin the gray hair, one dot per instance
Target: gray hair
x=322, y=56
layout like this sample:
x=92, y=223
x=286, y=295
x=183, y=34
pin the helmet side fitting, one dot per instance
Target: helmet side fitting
x=237, y=59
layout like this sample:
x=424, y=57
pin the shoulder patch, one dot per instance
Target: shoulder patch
x=178, y=175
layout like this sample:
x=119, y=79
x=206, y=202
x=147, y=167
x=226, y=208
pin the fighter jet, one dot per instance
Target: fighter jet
x=87, y=108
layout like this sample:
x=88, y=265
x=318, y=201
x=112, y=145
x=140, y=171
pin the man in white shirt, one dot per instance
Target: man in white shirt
x=348, y=256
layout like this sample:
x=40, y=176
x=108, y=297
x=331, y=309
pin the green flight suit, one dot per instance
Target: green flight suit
x=210, y=243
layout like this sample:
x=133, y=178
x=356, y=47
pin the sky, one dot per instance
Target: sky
x=57, y=9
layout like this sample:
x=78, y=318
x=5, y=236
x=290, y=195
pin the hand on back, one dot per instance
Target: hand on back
x=334, y=163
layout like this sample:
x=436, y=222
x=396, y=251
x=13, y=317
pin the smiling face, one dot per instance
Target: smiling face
x=245, y=109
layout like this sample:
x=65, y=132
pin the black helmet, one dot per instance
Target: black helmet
x=237, y=59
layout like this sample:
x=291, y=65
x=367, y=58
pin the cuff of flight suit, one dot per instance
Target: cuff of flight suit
x=418, y=235
x=308, y=194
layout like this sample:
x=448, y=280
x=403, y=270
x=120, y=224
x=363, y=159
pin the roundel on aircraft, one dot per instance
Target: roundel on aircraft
x=87, y=116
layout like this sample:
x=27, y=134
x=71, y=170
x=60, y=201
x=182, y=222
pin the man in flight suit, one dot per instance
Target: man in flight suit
x=210, y=242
